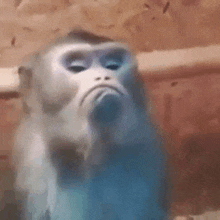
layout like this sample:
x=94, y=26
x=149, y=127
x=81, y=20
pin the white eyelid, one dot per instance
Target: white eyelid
x=78, y=63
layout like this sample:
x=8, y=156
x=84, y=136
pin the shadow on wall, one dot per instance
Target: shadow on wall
x=197, y=186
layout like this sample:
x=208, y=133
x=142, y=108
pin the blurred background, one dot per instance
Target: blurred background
x=177, y=43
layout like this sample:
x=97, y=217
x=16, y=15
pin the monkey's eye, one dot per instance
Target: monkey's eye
x=77, y=66
x=113, y=60
x=113, y=64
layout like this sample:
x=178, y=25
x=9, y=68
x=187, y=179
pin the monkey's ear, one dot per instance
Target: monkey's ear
x=25, y=76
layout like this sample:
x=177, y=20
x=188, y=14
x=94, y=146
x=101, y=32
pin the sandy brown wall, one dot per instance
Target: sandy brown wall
x=26, y=25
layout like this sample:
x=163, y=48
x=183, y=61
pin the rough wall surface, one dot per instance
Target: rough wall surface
x=189, y=110
x=26, y=25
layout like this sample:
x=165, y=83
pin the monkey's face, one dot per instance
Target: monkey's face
x=87, y=80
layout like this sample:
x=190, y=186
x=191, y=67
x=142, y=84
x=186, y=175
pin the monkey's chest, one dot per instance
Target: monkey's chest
x=69, y=166
x=114, y=194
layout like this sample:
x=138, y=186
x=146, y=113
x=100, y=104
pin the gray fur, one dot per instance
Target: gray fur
x=75, y=158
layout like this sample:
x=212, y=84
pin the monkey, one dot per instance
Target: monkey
x=86, y=147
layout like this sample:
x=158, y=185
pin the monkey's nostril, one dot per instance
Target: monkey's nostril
x=98, y=78
x=107, y=78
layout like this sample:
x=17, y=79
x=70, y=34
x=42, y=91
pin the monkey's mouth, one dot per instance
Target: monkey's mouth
x=105, y=87
x=103, y=104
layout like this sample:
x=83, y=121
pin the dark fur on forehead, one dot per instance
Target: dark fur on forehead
x=84, y=36
x=76, y=36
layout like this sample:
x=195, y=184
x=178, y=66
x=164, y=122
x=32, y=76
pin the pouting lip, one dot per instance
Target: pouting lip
x=100, y=86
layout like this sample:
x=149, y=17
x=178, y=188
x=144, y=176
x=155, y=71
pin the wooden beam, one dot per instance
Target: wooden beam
x=9, y=80
x=156, y=65
x=181, y=63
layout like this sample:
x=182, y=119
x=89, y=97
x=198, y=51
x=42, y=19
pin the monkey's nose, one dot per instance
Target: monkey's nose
x=107, y=108
x=104, y=78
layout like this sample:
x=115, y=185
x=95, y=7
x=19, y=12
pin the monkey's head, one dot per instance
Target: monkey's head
x=82, y=79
